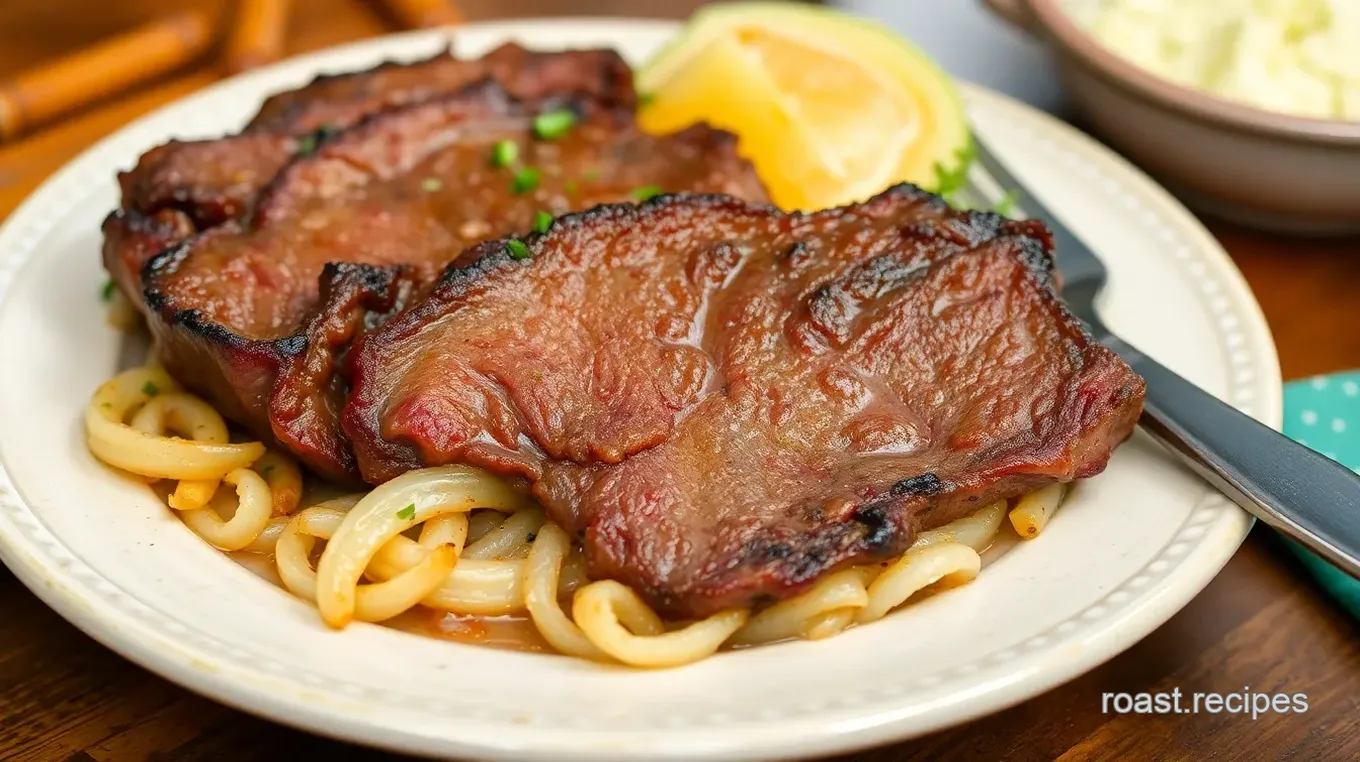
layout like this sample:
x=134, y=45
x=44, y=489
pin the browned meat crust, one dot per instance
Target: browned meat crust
x=600, y=76
x=247, y=313
x=209, y=182
x=724, y=402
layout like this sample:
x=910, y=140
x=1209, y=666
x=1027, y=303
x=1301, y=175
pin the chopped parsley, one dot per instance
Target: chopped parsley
x=106, y=291
x=107, y=405
x=265, y=471
x=407, y=513
x=1006, y=206
x=306, y=145
x=646, y=99
x=150, y=389
x=542, y=221
x=590, y=175
x=552, y=125
x=948, y=182
x=517, y=249
x=525, y=180
x=431, y=184
x=570, y=187
x=504, y=153
x=532, y=536
x=646, y=192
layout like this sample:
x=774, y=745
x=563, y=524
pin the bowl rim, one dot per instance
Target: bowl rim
x=1055, y=20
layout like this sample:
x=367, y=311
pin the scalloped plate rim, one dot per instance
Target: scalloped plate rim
x=258, y=691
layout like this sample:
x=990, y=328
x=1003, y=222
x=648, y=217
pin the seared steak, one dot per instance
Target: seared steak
x=209, y=182
x=254, y=313
x=599, y=75
x=182, y=187
x=723, y=402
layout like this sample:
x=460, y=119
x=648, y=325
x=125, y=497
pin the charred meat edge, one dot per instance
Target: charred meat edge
x=363, y=293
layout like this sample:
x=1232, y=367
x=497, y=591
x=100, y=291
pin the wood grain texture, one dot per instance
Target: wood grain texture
x=1261, y=623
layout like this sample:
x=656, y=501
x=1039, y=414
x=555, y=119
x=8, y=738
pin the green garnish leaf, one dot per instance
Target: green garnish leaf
x=646, y=192
x=526, y=179
x=504, y=153
x=267, y=469
x=590, y=175
x=542, y=221
x=950, y=180
x=306, y=145
x=150, y=389
x=1006, y=206
x=431, y=184
x=532, y=536
x=646, y=99
x=551, y=125
x=570, y=187
x=106, y=291
x=407, y=513
x=107, y=405
x=517, y=249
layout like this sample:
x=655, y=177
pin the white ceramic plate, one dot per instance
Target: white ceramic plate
x=1127, y=550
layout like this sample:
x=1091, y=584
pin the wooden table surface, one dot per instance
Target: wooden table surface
x=1262, y=623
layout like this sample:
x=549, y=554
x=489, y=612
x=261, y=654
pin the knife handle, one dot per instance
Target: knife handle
x=1303, y=494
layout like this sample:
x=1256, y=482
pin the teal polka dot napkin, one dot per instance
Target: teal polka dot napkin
x=1324, y=414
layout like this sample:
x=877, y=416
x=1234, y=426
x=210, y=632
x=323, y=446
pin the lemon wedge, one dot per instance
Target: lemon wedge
x=829, y=107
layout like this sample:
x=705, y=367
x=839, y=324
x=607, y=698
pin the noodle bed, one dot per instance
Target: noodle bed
x=457, y=539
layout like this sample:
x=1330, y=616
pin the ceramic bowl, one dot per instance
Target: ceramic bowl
x=1265, y=169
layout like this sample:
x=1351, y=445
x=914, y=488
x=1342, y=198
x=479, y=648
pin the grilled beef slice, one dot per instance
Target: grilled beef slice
x=195, y=185
x=253, y=314
x=599, y=75
x=724, y=402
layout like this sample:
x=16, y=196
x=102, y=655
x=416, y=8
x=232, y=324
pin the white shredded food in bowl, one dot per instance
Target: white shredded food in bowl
x=1297, y=57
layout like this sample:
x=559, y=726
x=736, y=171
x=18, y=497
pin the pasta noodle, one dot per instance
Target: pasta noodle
x=373, y=602
x=284, y=479
x=485, y=588
x=457, y=539
x=268, y=537
x=1032, y=512
x=161, y=457
x=619, y=623
x=482, y=521
x=449, y=529
x=252, y=513
x=263, y=543
x=545, y=566
x=193, y=418
x=787, y=619
x=509, y=540
x=474, y=587
x=389, y=510
x=976, y=530
x=916, y=569
x=826, y=624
